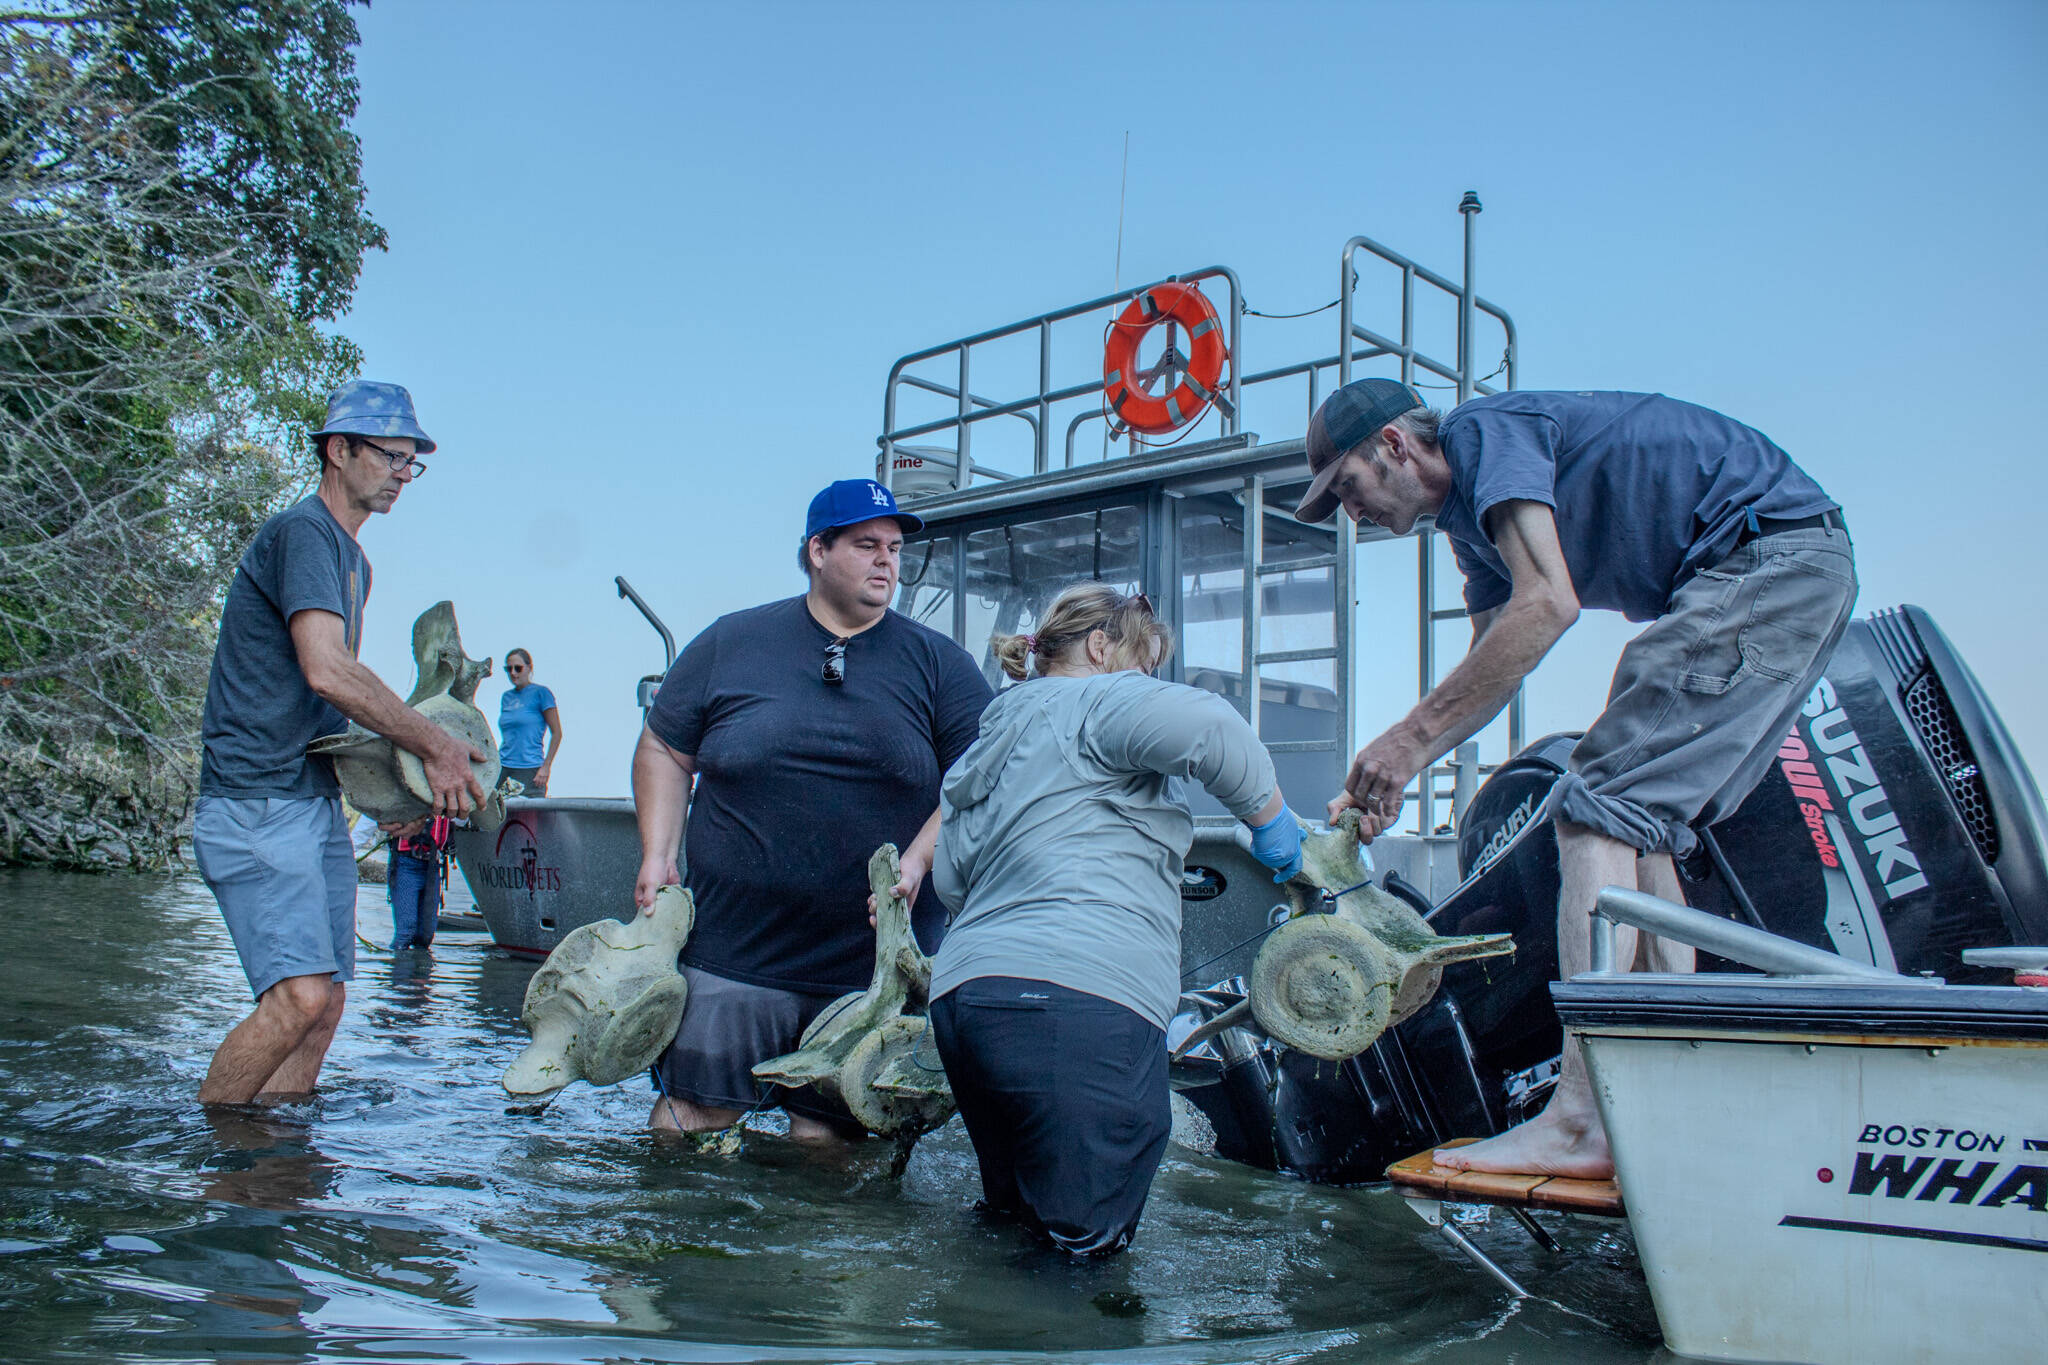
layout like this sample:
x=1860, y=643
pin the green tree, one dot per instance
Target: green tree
x=180, y=203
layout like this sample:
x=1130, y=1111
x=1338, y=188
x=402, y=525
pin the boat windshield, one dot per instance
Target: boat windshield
x=975, y=583
x=1013, y=573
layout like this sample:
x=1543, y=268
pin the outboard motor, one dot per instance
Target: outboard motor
x=1283, y=1110
x=1898, y=826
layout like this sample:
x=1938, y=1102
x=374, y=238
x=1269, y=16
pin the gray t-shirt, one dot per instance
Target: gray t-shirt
x=260, y=711
x=1062, y=833
x=1647, y=490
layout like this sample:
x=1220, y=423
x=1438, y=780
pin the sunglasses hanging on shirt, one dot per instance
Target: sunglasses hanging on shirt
x=834, y=672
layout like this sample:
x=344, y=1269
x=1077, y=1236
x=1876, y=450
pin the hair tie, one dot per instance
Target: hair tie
x=1031, y=643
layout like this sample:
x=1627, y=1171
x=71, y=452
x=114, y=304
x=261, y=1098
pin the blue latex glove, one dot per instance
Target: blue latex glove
x=1277, y=844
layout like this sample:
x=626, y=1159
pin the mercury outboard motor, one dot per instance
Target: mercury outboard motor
x=1898, y=826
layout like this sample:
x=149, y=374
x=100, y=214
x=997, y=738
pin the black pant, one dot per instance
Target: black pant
x=1065, y=1099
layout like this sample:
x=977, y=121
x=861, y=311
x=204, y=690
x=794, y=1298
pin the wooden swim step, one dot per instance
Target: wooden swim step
x=1420, y=1175
x=1426, y=1186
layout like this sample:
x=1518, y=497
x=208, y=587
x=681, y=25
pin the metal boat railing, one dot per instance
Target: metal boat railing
x=1036, y=409
x=1767, y=952
x=1144, y=462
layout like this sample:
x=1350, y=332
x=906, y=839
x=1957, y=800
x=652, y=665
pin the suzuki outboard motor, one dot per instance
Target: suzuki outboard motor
x=1899, y=826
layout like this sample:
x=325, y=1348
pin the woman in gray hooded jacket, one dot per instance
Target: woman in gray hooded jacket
x=1062, y=833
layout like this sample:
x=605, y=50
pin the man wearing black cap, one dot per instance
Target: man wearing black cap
x=1666, y=512
x=813, y=730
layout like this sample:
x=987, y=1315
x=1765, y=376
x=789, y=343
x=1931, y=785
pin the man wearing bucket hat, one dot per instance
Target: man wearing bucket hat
x=800, y=736
x=267, y=831
x=1666, y=512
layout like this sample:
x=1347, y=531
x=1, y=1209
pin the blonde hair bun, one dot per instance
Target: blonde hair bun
x=1138, y=639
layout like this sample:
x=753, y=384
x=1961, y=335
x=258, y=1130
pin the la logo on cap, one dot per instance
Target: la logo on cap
x=879, y=494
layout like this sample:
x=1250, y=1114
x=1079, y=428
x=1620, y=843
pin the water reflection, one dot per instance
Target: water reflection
x=266, y=1159
x=403, y=1214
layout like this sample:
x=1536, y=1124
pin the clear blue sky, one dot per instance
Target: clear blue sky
x=650, y=264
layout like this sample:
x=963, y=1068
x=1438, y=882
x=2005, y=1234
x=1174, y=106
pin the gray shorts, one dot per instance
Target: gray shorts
x=285, y=877
x=1704, y=696
x=729, y=1026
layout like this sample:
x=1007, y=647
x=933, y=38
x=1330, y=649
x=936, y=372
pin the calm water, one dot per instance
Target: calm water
x=405, y=1215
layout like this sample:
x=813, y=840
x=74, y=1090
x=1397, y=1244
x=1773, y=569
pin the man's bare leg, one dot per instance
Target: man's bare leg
x=300, y=1072
x=1658, y=875
x=254, y=1050
x=802, y=1129
x=681, y=1116
x=1567, y=1138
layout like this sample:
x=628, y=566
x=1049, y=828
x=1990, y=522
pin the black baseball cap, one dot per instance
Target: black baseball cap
x=1352, y=414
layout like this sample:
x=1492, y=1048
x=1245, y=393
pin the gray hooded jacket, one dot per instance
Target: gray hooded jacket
x=1063, y=829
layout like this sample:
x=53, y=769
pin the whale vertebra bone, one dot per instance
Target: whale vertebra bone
x=389, y=784
x=1329, y=984
x=607, y=1001
x=862, y=1047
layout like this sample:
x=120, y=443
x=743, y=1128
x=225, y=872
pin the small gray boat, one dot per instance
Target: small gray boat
x=556, y=863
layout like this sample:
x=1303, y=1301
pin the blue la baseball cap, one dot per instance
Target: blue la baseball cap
x=371, y=407
x=852, y=501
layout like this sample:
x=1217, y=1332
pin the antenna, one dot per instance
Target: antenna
x=1116, y=279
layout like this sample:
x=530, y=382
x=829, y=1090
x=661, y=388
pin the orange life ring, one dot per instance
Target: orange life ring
x=1181, y=303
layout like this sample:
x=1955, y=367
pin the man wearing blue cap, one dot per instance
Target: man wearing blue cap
x=1666, y=512
x=267, y=831
x=800, y=736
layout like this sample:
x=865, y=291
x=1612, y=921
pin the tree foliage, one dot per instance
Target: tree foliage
x=179, y=202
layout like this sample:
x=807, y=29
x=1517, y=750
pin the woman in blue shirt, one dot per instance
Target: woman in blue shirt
x=525, y=712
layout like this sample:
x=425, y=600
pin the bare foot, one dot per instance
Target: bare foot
x=1549, y=1144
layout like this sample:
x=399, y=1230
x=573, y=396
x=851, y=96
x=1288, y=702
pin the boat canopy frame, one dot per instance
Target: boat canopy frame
x=1152, y=482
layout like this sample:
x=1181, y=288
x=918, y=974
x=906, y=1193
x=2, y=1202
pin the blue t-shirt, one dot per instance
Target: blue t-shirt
x=1647, y=490
x=799, y=782
x=522, y=727
x=260, y=711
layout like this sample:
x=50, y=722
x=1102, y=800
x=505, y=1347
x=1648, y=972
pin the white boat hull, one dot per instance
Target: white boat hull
x=1823, y=1197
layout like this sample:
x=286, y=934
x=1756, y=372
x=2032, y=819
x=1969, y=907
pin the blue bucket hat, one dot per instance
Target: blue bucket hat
x=370, y=407
x=850, y=502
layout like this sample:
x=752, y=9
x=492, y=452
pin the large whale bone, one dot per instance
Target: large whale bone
x=607, y=1001
x=388, y=783
x=862, y=1047
x=1329, y=984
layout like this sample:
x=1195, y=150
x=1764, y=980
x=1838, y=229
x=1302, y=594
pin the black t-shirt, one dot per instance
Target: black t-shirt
x=800, y=781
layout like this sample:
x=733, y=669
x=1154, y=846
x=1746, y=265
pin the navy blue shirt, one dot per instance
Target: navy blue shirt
x=261, y=713
x=1647, y=490
x=799, y=782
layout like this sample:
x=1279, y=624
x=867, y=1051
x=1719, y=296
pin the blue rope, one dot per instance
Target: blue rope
x=918, y=1046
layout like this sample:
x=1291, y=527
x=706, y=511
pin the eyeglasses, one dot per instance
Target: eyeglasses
x=401, y=463
x=1142, y=600
x=835, y=664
